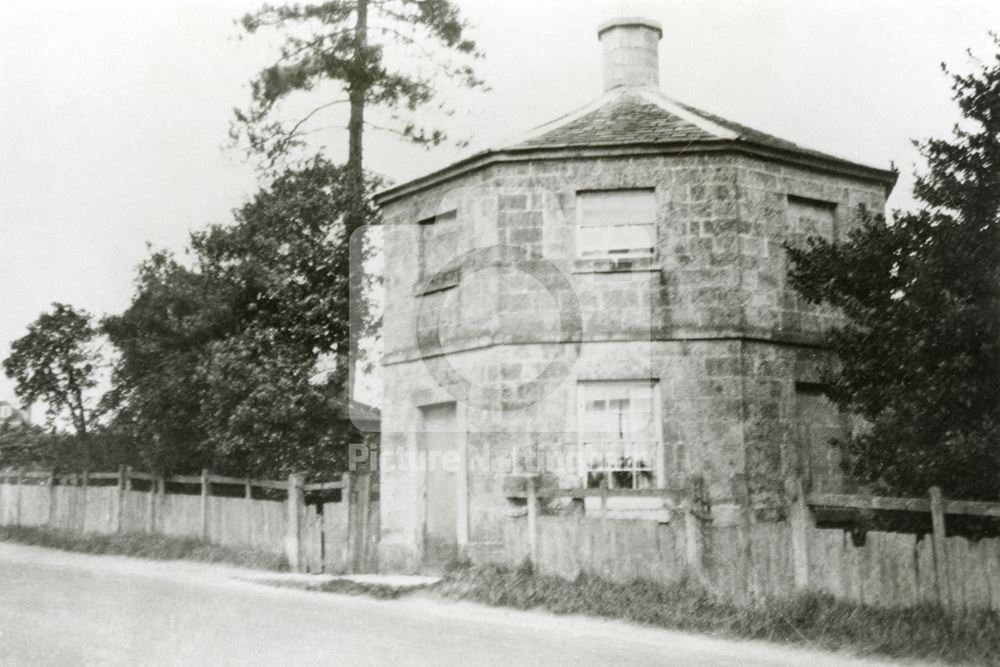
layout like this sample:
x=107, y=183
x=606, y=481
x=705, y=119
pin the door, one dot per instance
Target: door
x=819, y=422
x=439, y=441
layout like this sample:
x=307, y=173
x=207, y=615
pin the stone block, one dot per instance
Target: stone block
x=517, y=202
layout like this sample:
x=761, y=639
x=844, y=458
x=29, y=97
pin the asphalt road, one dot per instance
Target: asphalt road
x=72, y=609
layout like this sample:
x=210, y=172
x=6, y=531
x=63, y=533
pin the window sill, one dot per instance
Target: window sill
x=439, y=283
x=628, y=508
x=624, y=265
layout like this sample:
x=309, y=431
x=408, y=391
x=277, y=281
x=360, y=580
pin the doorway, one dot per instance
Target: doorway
x=439, y=441
x=818, y=423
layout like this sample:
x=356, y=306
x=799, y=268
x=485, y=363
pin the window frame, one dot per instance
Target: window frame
x=610, y=255
x=658, y=467
x=441, y=280
x=831, y=207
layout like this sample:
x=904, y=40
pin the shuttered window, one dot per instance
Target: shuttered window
x=616, y=223
x=438, y=242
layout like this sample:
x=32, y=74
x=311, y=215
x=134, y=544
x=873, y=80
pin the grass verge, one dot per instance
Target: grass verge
x=813, y=620
x=347, y=587
x=140, y=545
x=925, y=633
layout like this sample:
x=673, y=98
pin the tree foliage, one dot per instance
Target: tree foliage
x=56, y=363
x=161, y=337
x=919, y=352
x=344, y=45
x=30, y=446
x=338, y=52
x=220, y=360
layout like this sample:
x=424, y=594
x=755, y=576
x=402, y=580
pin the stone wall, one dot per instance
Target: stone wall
x=508, y=332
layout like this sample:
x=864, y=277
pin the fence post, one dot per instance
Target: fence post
x=532, y=521
x=248, y=507
x=605, y=482
x=5, y=510
x=364, y=496
x=205, y=490
x=747, y=521
x=120, y=505
x=17, y=498
x=293, y=533
x=85, y=482
x=345, y=497
x=940, y=548
x=799, y=520
x=161, y=501
x=52, y=498
x=150, y=506
x=694, y=546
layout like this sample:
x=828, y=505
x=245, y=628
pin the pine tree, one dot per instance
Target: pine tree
x=343, y=43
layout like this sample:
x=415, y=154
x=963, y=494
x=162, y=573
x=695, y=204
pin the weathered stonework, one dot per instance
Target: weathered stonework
x=710, y=317
x=507, y=333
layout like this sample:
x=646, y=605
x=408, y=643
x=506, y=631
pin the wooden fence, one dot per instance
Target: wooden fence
x=307, y=523
x=747, y=559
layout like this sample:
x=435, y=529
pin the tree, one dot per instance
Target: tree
x=56, y=362
x=220, y=360
x=333, y=43
x=157, y=385
x=29, y=446
x=287, y=262
x=342, y=43
x=919, y=352
x=26, y=445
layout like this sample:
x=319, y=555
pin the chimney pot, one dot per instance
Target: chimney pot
x=631, y=52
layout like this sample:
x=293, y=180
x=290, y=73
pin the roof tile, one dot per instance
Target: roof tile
x=633, y=117
x=624, y=120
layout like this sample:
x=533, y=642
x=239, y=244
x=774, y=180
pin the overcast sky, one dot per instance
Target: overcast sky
x=114, y=113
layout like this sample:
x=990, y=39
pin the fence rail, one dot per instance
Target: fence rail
x=128, y=474
x=923, y=505
x=326, y=534
x=603, y=492
x=745, y=558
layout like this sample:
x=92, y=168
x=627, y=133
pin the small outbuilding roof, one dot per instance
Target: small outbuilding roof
x=355, y=411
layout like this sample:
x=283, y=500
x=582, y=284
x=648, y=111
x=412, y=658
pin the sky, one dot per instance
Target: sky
x=114, y=114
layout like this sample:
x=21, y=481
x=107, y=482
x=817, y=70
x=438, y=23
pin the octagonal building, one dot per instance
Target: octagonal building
x=606, y=303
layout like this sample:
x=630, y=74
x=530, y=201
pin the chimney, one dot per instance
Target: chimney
x=631, y=53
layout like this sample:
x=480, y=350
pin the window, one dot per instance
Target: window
x=438, y=242
x=811, y=217
x=616, y=223
x=619, y=430
x=5, y=411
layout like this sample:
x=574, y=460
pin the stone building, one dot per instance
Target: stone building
x=606, y=302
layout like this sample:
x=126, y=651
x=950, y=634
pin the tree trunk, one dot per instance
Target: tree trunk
x=355, y=217
x=78, y=414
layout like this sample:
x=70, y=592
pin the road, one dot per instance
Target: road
x=73, y=609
